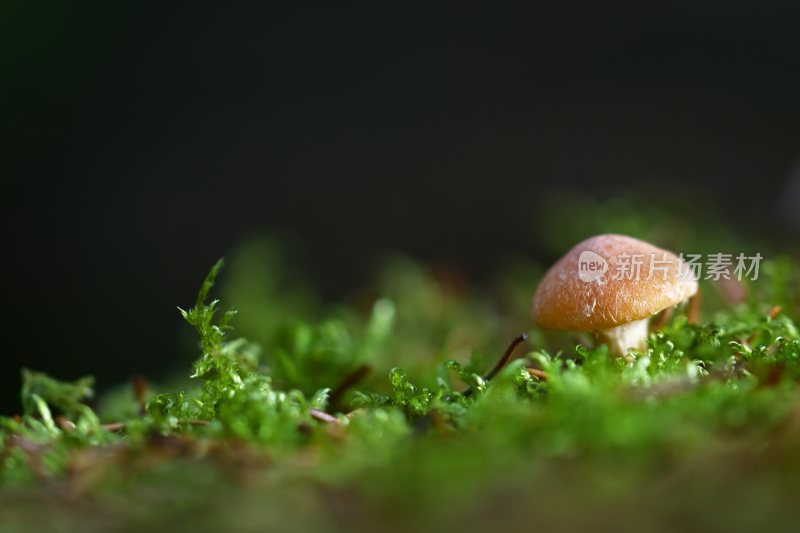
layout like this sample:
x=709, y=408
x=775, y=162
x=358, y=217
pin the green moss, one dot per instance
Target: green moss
x=700, y=430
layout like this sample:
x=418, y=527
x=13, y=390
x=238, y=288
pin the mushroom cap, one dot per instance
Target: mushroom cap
x=595, y=286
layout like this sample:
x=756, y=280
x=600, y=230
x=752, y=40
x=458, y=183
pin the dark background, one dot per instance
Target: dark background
x=142, y=143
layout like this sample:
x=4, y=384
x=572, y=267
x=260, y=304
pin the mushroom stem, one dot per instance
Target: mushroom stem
x=630, y=335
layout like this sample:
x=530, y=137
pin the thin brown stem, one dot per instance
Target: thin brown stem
x=140, y=390
x=535, y=372
x=346, y=384
x=522, y=337
x=322, y=416
x=661, y=319
x=64, y=423
x=693, y=309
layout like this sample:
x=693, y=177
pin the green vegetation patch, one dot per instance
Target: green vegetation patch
x=391, y=412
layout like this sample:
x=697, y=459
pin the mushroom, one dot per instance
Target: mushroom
x=611, y=285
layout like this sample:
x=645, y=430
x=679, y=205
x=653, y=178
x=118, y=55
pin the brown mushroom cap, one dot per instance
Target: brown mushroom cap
x=583, y=298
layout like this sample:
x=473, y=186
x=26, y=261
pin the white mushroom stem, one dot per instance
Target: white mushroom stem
x=630, y=335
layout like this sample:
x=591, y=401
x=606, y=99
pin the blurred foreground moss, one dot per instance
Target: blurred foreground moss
x=377, y=415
